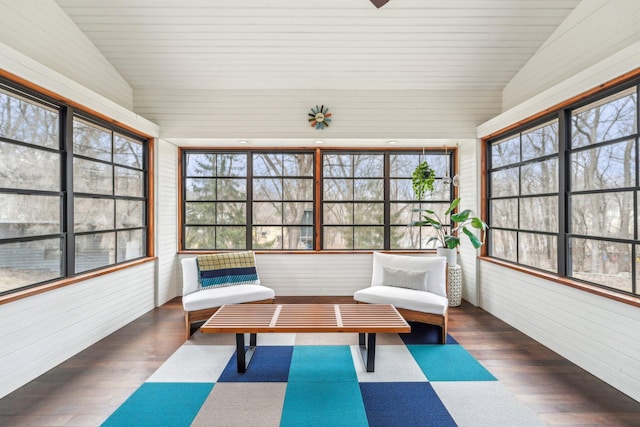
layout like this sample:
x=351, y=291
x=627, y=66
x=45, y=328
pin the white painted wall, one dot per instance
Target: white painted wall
x=468, y=152
x=320, y=274
x=596, y=333
x=39, y=332
x=166, y=221
x=41, y=30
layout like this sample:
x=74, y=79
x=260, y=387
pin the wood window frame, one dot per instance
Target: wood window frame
x=69, y=105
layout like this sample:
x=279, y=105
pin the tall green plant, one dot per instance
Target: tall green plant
x=459, y=222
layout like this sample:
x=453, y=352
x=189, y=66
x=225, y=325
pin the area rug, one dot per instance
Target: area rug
x=320, y=380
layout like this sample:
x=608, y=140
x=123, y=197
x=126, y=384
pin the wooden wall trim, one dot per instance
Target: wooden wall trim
x=623, y=298
x=71, y=103
x=573, y=100
x=151, y=199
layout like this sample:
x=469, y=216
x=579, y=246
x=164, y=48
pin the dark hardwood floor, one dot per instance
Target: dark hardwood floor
x=87, y=388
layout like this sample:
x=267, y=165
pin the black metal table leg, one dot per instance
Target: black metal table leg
x=368, y=350
x=243, y=357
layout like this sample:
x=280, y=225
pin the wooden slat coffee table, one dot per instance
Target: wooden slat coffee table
x=365, y=319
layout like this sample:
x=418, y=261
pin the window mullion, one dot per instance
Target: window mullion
x=249, y=225
x=387, y=202
x=66, y=135
x=564, y=175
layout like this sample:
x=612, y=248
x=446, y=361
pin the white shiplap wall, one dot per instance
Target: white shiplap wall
x=596, y=333
x=244, y=114
x=166, y=220
x=468, y=151
x=312, y=274
x=42, y=31
x=39, y=332
x=315, y=274
x=594, y=30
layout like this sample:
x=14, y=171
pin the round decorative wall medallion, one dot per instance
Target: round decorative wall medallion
x=319, y=118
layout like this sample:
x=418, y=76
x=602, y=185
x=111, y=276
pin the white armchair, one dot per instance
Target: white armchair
x=200, y=303
x=415, y=286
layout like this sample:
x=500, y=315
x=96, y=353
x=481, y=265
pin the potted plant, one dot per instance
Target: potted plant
x=448, y=236
x=422, y=179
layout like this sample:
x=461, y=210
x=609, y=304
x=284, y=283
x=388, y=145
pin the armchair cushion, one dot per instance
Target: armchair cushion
x=227, y=269
x=409, y=299
x=219, y=296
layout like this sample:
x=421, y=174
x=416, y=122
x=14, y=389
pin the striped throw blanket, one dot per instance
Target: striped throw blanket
x=227, y=269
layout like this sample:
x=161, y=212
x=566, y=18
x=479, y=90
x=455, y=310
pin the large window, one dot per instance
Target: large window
x=238, y=200
x=268, y=200
x=567, y=201
x=109, y=196
x=72, y=192
x=523, y=208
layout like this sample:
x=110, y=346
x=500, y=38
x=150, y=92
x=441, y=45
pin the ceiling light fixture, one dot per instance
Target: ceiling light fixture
x=318, y=141
x=379, y=3
x=243, y=141
x=393, y=142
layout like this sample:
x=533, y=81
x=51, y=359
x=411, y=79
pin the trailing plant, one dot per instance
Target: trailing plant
x=459, y=221
x=422, y=179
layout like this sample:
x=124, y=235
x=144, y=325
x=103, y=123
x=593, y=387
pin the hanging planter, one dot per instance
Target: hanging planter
x=422, y=180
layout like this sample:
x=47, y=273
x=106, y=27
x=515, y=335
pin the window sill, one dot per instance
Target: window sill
x=605, y=293
x=25, y=293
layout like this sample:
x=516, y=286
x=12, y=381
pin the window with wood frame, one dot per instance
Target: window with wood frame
x=563, y=193
x=282, y=200
x=73, y=191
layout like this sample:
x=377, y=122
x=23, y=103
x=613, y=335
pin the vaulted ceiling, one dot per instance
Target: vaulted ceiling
x=305, y=44
x=163, y=46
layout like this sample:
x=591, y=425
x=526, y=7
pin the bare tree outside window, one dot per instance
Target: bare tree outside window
x=603, y=184
x=524, y=197
x=107, y=201
x=601, y=193
x=215, y=192
x=30, y=204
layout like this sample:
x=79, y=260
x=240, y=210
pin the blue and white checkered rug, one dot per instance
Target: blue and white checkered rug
x=320, y=380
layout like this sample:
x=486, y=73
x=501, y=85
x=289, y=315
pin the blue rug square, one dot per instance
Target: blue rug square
x=422, y=333
x=404, y=404
x=268, y=364
x=322, y=363
x=448, y=363
x=161, y=404
x=322, y=404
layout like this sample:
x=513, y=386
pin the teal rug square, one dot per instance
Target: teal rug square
x=449, y=362
x=323, y=404
x=322, y=363
x=161, y=404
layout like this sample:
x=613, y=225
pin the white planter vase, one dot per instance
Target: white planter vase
x=450, y=254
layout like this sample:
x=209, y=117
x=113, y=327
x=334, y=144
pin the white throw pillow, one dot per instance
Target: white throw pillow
x=416, y=280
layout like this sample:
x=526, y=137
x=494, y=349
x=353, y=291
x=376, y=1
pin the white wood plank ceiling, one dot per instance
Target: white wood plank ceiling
x=311, y=45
